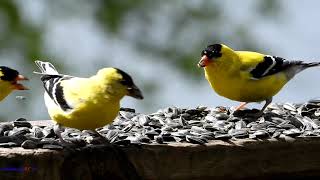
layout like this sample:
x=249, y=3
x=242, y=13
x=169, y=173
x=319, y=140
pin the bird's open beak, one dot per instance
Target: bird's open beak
x=204, y=61
x=19, y=86
x=135, y=92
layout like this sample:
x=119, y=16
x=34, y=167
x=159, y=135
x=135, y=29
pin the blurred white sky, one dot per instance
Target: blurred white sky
x=294, y=36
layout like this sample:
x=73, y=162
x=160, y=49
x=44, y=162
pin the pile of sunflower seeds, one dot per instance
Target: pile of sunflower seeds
x=198, y=126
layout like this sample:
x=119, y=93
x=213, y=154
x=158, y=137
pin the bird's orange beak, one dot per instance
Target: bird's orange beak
x=204, y=61
x=18, y=86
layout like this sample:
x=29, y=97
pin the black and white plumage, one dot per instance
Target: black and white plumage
x=52, y=84
x=273, y=64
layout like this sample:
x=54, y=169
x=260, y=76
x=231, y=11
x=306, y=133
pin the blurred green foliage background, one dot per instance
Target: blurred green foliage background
x=157, y=42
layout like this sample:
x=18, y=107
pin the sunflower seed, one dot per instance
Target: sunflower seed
x=261, y=134
x=314, y=124
x=112, y=135
x=209, y=127
x=289, y=107
x=37, y=132
x=198, y=130
x=179, y=134
x=286, y=138
x=144, y=139
x=222, y=116
x=48, y=132
x=22, y=124
x=8, y=145
x=123, y=142
x=127, y=115
x=5, y=127
x=192, y=111
x=19, y=131
x=159, y=139
x=239, y=133
x=28, y=144
x=151, y=133
x=167, y=138
x=5, y=139
x=52, y=147
x=47, y=141
x=240, y=124
x=128, y=127
x=295, y=121
x=195, y=140
x=292, y=132
x=276, y=134
x=222, y=136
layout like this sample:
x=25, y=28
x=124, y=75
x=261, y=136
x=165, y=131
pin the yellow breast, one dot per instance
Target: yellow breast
x=5, y=89
x=87, y=116
x=240, y=87
x=93, y=106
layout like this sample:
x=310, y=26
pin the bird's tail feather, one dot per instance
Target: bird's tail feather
x=298, y=66
x=46, y=68
x=312, y=64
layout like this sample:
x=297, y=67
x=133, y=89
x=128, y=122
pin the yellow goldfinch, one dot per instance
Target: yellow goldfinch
x=9, y=81
x=85, y=103
x=247, y=76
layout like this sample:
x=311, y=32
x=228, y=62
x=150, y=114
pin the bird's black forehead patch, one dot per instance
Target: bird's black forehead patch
x=8, y=73
x=212, y=51
x=126, y=78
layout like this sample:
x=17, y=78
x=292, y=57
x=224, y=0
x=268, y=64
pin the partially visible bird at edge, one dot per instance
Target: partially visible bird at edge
x=9, y=81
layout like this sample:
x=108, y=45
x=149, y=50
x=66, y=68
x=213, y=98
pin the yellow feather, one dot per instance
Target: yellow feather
x=96, y=100
x=229, y=76
x=5, y=88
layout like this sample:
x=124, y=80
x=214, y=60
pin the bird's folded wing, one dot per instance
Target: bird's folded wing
x=53, y=84
x=259, y=65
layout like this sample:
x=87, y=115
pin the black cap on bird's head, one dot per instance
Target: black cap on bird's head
x=118, y=83
x=127, y=81
x=209, y=53
x=13, y=76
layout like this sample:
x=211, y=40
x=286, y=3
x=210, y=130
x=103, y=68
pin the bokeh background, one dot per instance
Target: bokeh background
x=157, y=42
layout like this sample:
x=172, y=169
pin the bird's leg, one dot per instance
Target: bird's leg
x=260, y=113
x=57, y=130
x=242, y=105
x=268, y=101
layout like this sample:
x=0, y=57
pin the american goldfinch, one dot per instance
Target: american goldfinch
x=247, y=76
x=9, y=81
x=85, y=103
